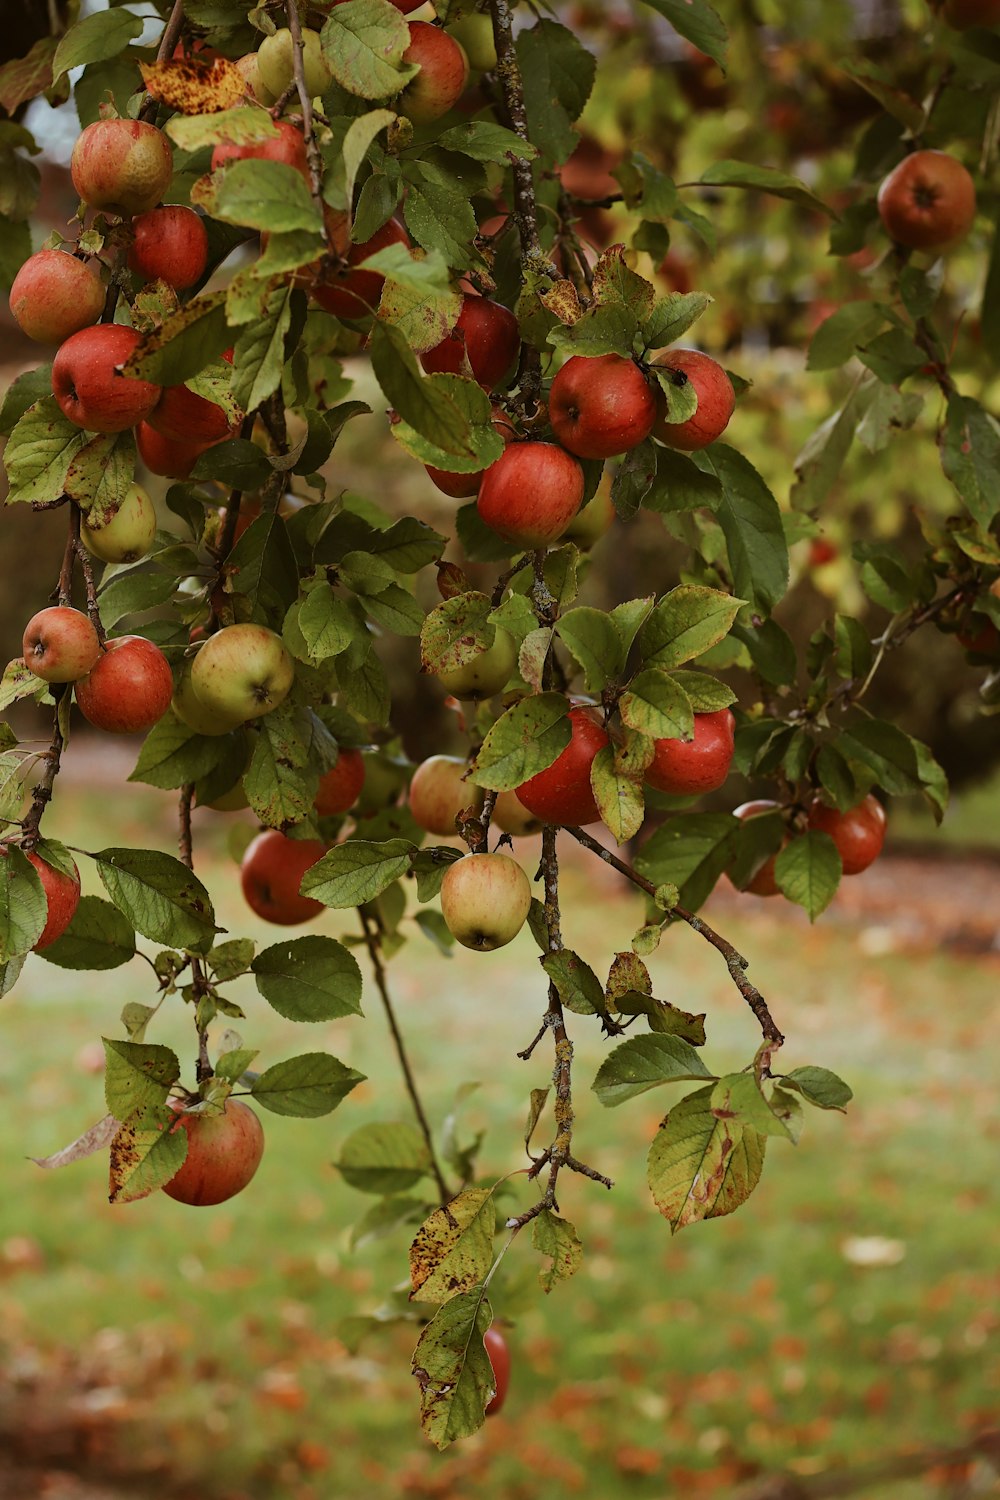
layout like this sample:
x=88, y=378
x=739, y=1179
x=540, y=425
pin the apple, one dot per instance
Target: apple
x=130, y=688
x=438, y=793
x=171, y=245
x=288, y=147
x=980, y=637
x=531, y=494
x=344, y=290
x=961, y=14
x=858, y=833
x=122, y=166
x=927, y=201
x=592, y=521
x=763, y=882
x=128, y=534
x=601, y=405
x=511, y=816
x=464, y=486
x=562, y=793
x=486, y=334
x=249, y=70
x=62, y=897
x=88, y=384
x=444, y=72
x=486, y=673
x=474, y=34
x=276, y=68
x=688, y=768
x=224, y=1149
x=485, y=900
x=60, y=644
x=271, y=873
x=243, y=671
x=54, y=295
x=340, y=787
x=191, y=711
x=167, y=456
x=499, y=1356
x=186, y=417
x=716, y=401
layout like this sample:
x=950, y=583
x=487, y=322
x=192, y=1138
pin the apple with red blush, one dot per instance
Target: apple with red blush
x=54, y=295
x=130, y=687
x=716, y=400
x=270, y=875
x=601, y=405
x=224, y=1150
x=486, y=339
x=169, y=244
x=122, y=166
x=691, y=767
x=562, y=793
x=531, y=494
x=60, y=644
x=341, y=786
x=88, y=384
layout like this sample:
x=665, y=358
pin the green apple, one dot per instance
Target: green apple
x=474, y=33
x=485, y=900
x=276, y=67
x=486, y=673
x=196, y=715
x=242, y=672
x=128, y=534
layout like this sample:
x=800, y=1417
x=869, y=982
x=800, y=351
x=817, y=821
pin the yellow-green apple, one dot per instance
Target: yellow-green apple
x=474, y=34
x=54, y=294
x=88, y=384
x=62, y=897
x=562, y=793
x=243, y=671
x=60, y=644
x=170, y=457
x=858, y=833
x=129, y=532
x=511, y=816
x=927, y=201
x=288, y=147
x=486, y=673
x=129, y=689
x=601, y=405
x=444, y=72
x=341, y=787
x=498, y=1353
x=224, y=1149
x=271, y=873
x=170, y=244
x=191, y=711
x=438, y=793
x=531, y=494
x=275, y=62
x=486, y=334
x=122, y=166
x=345, y=290
x=716, y=400
x=687, y=768
x=485, y=900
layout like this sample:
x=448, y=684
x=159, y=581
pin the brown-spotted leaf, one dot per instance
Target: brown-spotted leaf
x=145, y=1153
x=453, y=1249
x=194, y=87
x=92, y=1140
x=562, y=301
x=557, y=1239
x=700, y=1166
x=453, y=1370
x=25, y=77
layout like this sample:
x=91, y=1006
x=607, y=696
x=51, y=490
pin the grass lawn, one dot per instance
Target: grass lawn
x=204, y=1346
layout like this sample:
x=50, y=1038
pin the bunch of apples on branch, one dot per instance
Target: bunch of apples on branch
x=275, y=194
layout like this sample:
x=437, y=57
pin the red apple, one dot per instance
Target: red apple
x=499, y=1357
x=167, y=456
x=170, y=245
x=600, y=406
x=271, y=873
x=60, y=644
x=487, y=334
x=821, y=552
x=691, y=767
x=122, y=166
x=288, y=147
x=531, y=494
x=62, y=897
x=763, y=882
x=716, y=401
x=344, y=290
x=444, y=72
x=927, y=201
x=129, y=689
x=188, y=418
x=88, y=385
x=858, y=833
x=562, y=793
x=438, y=793
x=979, y=636
x=54, y=295
x=485, y=900
x=587, y=173
x=341, y=787
x=223, y=1153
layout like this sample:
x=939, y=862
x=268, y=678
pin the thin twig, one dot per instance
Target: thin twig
x=313, y=157
x=41, y=792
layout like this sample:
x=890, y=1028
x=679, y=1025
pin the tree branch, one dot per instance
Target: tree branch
x=168, y=41
x=41, y=792
x=313, y=157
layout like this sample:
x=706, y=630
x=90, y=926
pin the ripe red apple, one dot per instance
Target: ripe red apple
x=170, y=245
x=822, y=551
x=511, y=816
x=600, y=406
x=763, y=882
x=129, y=689
x=927, y=201
x=62, y=897
x=691, y=767
x=485, y=674
x=487, y=334
x=60, y=644
x=167, y=456
x=444, y=72
x=499, y=1357
x=587, y=173
x=243, y=671
x=88, y=385
x=271, y=873
x=858, y=833
x=464, y=486
x=531, y=494
x=344, y=290
x=288, y=147
x=186, y=417
x=438, y=794
x=128, y=534
x=122, y=166
x=485, y=900
x=341, y=787
x=716, y=401
x=223, y=1153
x=54, y=295
x=562, y=793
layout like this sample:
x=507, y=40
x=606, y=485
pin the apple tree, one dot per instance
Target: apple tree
x=272, y=193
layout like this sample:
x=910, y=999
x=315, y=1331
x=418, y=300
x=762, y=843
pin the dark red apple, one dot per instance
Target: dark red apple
x=170, y=245
x=191, y=419
x=130, y=688
x=289, y=148
x=88, y=384
x=167, y=456
x=345, y=291
x=341, y=787
x=60, y=644
x=858, y=833
x=486, y=334
x=716, y=401
x=601, y=405
x=271, y=873
x=531, y=494
x=927, y=201
x=562, y=793
x=687, y=768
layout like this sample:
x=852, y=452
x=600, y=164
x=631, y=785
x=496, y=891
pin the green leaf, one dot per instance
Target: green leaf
x=384, y=1158
x=690, y=851
x=701, y=1167
x=484, y=140
x=698, y=22
x=523, y=741
x=610, y=329
x=268, y=195
x=970, y=457
x=557, y=1239
x=187, y=341
x=327, y=623
x=618, y=794
x=259, y=356
x=707, y=695
x=24, y=391
x=579, y=988
x=97, y=37
x=672, y=316
x=808, y=871
x=453, y=1369
x=23, y=906
x=657, y=705
x=837, y=337
x=39, y=452
x=306, y=1086
x=172, y=754
x=453, y=1249
x=737, y=1096
x=419, y=400
x=590, y=635
x=363, y=42
x=98, y=937
x=455, y=632
x=820, y=1087
x=241, y=126
x=148, y=1149
x=351, y=874
x=557, y=73
x=137, y=1074
x=686, y=622
x=743, y=174
x=751, y=522
x=279, y=783
x=643, y=1063
x=309, y=979
x=161, y=897
x=24, y=78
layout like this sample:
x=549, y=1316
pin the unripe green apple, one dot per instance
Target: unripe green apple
x=196, y=715
x=276, y=66
x=242, y=672
x=485, y=900
x=485, y=674
x=128, y=534
x=474, y=34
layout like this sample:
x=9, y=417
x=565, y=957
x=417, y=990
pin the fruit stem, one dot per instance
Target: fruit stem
x=313, y=158
x=168, y=41
x=373, y=942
